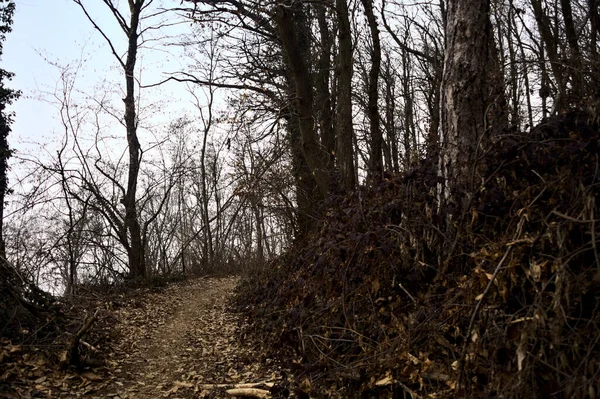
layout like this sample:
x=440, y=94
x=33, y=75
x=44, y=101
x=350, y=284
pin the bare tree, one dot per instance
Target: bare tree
x=130, y=25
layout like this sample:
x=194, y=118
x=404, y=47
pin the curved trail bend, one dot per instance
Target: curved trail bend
x=178, y=342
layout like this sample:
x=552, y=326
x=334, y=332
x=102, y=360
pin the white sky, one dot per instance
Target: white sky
x=58, y=31
x=42, y=28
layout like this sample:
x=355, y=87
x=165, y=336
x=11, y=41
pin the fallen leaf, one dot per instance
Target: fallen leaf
x=91, y=376
x=385, y=381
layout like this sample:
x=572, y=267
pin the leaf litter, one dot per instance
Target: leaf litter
x=176, y=342
x=494, y=294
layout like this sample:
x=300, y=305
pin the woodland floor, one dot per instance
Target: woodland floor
x=178, y=342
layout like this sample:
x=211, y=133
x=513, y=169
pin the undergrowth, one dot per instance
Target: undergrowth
x=392, y=294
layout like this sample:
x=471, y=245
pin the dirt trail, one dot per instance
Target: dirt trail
x=174, y=342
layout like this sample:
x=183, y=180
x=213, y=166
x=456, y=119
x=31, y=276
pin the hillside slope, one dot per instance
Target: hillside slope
x=391, y=297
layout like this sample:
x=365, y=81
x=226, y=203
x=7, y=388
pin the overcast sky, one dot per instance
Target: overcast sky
x=51, y=29
x=57, y=31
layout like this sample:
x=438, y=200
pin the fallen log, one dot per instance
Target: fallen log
x=267, y=384
x=248, y=393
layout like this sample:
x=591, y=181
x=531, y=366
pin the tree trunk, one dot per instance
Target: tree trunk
x=465, y=83
x=376, y=161
x=4, y=155
x=260, y=252
x=391, y=148
x=307, y=192
x=518, y=41
x=323, y=94
x=550, y=42
x=544, y=91
x=344, y=129
x=574, y=59
x=208, y=239
x=296, y=51
x=136, y=250
x=433, y=105
x=410, y=142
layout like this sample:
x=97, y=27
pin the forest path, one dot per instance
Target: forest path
x=177, y=342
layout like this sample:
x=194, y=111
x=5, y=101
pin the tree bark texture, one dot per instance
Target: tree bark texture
x=307, y=191
x=465, y=96
x=313, y=178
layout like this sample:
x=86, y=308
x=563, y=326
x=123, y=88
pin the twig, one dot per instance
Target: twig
x=407, y=389
x=267, y=384
x=73, y=353
x=572, y=219
x=89, y=346
x=592, y=206
x=407, y=293
x=482, y=296
x=86, y=326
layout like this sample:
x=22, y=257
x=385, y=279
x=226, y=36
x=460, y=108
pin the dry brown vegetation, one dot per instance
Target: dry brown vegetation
x=388, y=297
